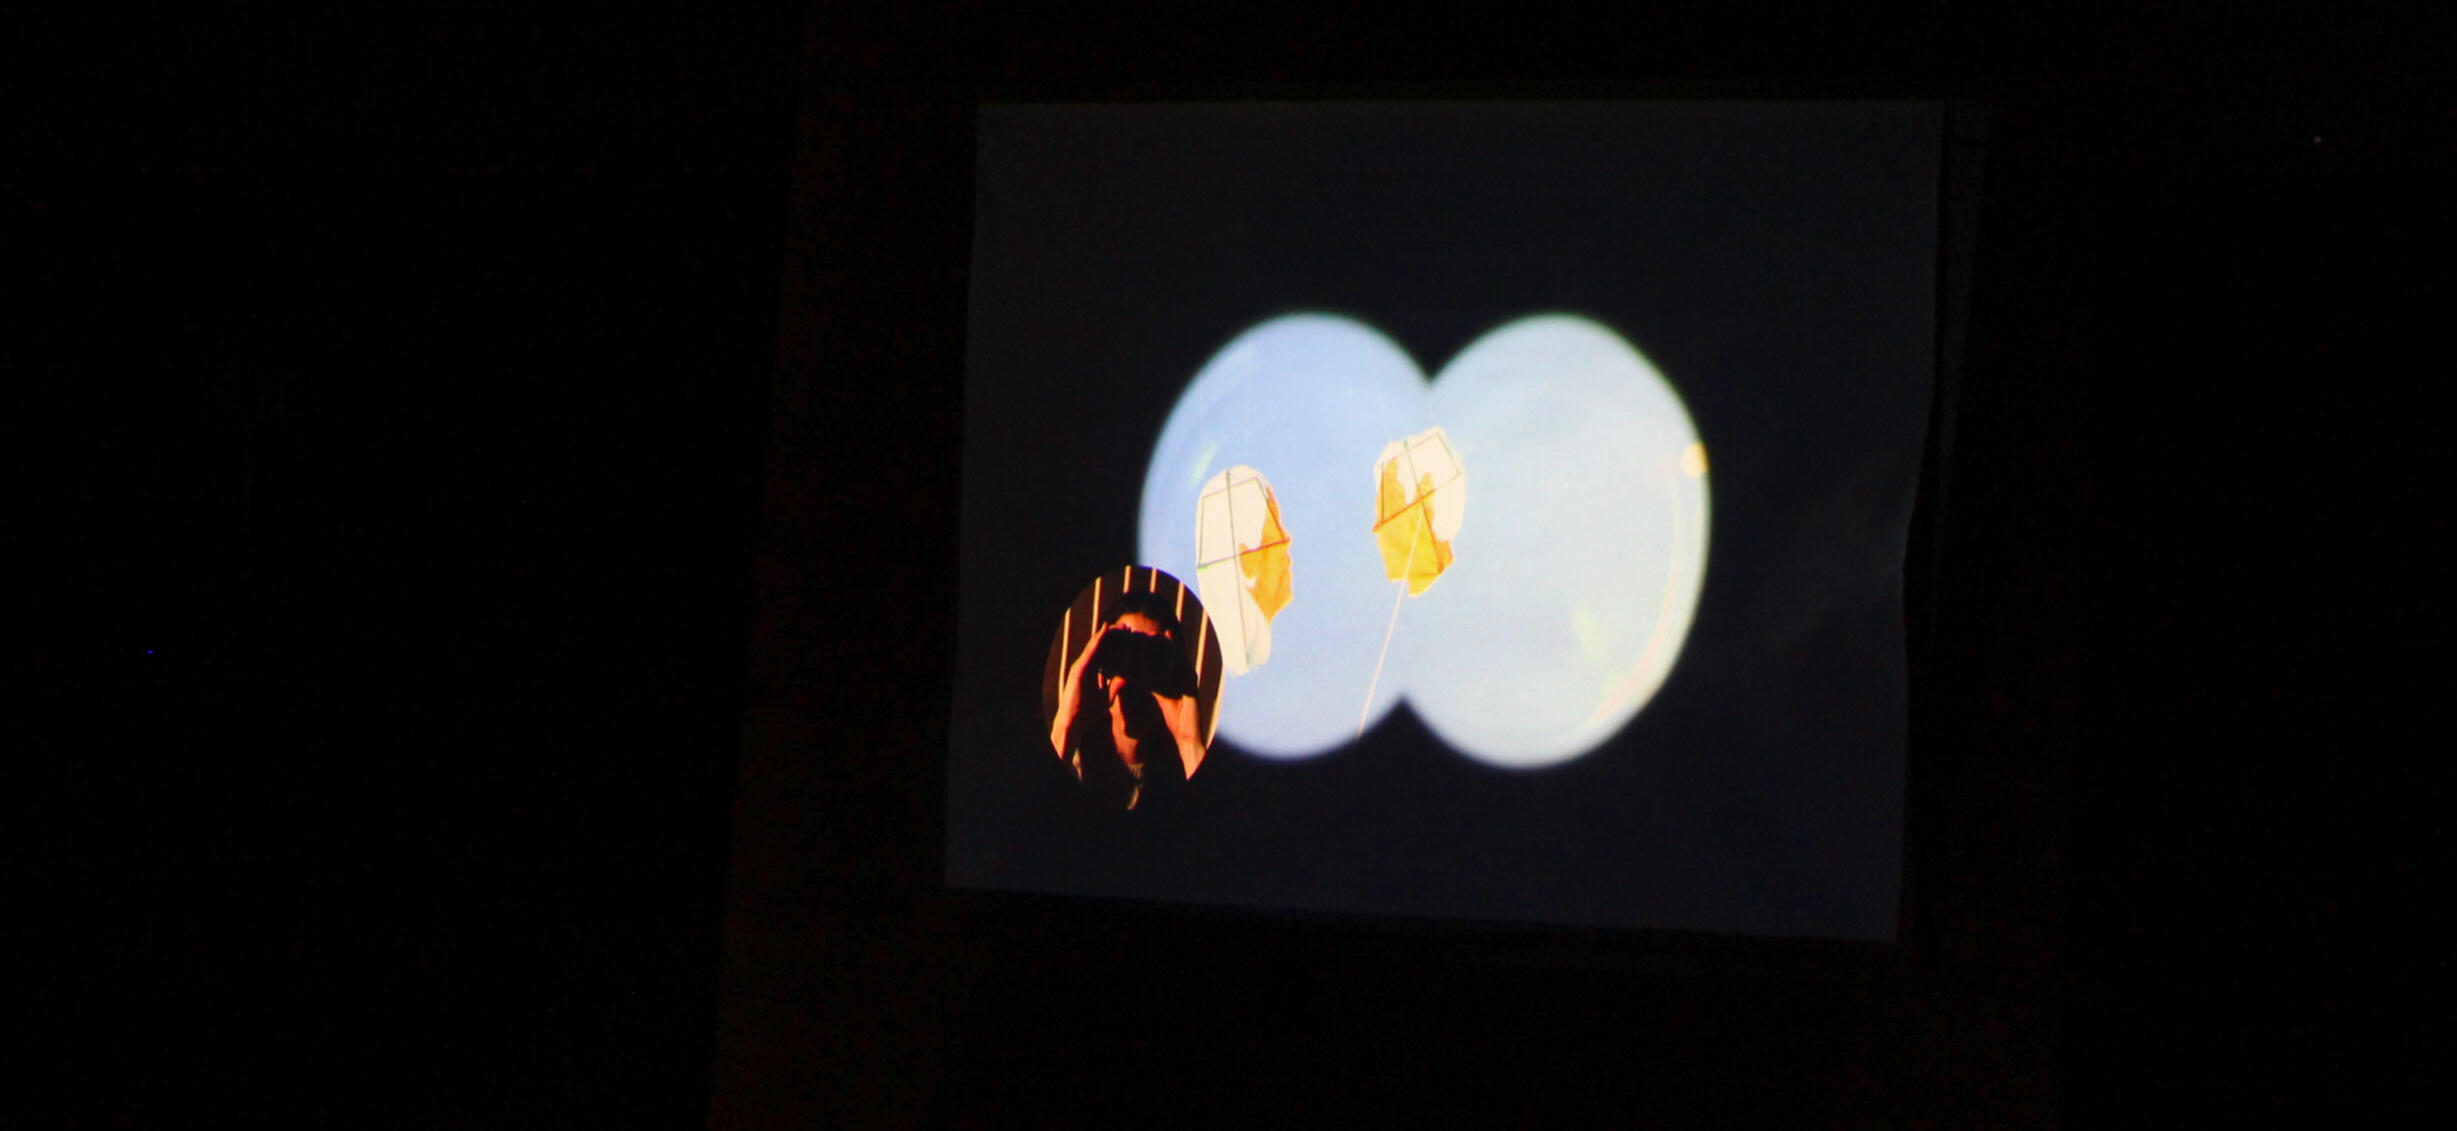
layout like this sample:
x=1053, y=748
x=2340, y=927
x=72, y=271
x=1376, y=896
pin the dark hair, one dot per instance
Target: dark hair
x=1160, y=611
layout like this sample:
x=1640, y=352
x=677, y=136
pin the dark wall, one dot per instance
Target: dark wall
x=2103, y=924
x=399, y=383
x=402, y=386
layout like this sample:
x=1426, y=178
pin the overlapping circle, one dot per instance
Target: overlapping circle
x=1570, y=587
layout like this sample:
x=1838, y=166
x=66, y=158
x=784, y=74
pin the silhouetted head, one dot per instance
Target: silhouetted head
x=1139, y=650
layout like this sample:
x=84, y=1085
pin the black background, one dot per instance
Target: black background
x=402, y=382
x=1778, y=262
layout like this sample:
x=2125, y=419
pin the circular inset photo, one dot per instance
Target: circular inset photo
x=1131, y=689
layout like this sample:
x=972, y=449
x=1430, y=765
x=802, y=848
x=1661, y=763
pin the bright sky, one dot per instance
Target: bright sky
x=1579, y=557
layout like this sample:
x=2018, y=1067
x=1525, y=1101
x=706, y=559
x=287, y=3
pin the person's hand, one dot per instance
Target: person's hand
x=1182, y=713
x=1083, y=659
x=1070, y=691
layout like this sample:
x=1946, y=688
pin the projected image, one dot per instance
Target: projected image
x=1131, y=688
x=1525, y=635
x=1538, y=475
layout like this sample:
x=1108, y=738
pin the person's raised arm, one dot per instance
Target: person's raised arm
x=1070, y=694
x=1182, y=713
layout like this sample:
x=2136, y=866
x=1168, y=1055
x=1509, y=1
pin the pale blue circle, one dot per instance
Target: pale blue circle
x=1584, y=550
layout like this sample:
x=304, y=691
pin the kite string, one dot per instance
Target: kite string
x=1368, y=709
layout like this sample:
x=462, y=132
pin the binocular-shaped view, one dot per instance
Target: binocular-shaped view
x=1473, y=510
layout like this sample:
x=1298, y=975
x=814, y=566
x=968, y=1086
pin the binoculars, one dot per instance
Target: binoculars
x=1153, y=662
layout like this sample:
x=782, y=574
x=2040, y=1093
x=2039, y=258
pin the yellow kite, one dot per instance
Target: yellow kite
x=1420, y=497
x=1242, y=563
